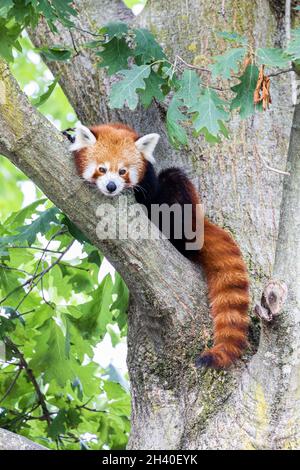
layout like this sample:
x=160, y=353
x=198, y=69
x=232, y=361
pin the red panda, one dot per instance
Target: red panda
x=114, y=157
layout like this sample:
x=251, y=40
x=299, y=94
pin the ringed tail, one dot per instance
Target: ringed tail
x=228, y=291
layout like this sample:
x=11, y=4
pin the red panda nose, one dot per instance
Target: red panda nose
x=111, y=187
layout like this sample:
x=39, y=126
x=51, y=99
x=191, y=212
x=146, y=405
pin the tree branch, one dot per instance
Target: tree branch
x=12, y=441
x=152, y=268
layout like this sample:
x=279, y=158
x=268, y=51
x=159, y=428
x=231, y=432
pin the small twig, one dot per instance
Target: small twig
x=280, y=72
x=35, y=248
x=59, y=232
x=200, y=69
x=9, y=268
x=94, y=410
x=11, y=386
x=43, y=293
x=26, y=313
x=23, y=364
x=37, y=276
x=42, y=274
x=74, y=44
x=266, y=165
x=23, y=416
x=88, y=32
x=71, y=266
x=17, y=288
x=191, y=66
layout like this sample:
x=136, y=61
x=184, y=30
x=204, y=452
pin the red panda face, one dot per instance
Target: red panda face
x=112, y=156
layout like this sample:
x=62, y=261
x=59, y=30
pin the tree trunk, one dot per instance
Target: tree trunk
x=175, y=406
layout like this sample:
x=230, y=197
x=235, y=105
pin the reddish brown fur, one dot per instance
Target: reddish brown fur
x=228, y=291
x=115, y=144
x=227, y=278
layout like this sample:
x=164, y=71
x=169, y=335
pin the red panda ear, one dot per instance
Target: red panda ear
x=147, y=144
x=83, y=138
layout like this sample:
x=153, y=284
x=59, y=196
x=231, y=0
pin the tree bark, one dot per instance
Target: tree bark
x=11, y=441
x=174, y=406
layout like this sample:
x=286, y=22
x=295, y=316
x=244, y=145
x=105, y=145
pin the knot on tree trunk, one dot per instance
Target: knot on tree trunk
x=272, y=300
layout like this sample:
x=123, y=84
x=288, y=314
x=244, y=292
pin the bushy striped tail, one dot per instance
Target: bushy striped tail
x=228, y=290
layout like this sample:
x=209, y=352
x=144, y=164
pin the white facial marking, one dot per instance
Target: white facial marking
x=133, y=176
x=89, y=171
x=83, y=138
x=146, y=145
x=110, y=177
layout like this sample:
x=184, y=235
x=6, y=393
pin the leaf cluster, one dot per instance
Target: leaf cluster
x=54, y=310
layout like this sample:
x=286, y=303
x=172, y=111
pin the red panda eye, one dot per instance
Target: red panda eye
x=122, y=172
x=102, y=169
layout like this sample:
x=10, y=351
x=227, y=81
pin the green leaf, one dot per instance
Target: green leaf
x=28, y=233
x=58, y=53
x=93, y=44
x=57, y=10
x=92, y=317
x=176, y=132
x=244, y=91
x=209, y=113
x=9, y=39
x=228, y=62
x=189, y=87
x=58, y=425
x=43, y=98
x=152, y=90
x=114, y=29
x=74, y=230
x=121, y=303
x=18, y=218
x=232, y=37
x=114, y=336
x=51, y=350
x=125, y=91
x=115, y=55
x=273, y=57
x=188, y=91
x=147, y=47
x=5, y=6
x=6, y=326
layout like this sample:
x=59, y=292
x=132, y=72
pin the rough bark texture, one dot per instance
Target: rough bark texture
x=11, y=441
x=174, y=406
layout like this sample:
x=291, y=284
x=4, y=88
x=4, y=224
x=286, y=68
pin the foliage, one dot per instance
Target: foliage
x=145, y=73
x=55, y=310
x=16, y=15
x=53, y=313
